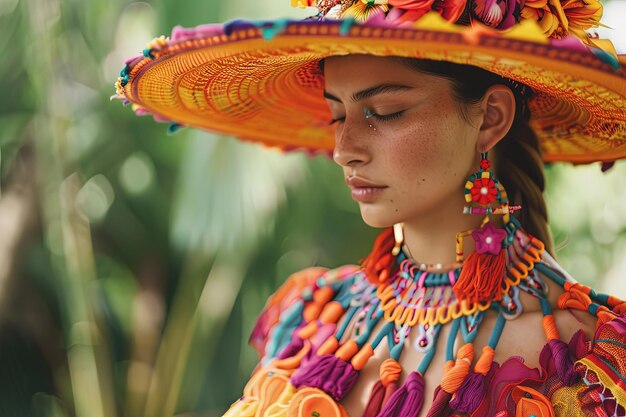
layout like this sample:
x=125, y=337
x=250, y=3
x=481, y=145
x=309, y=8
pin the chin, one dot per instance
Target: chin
x=378, y=217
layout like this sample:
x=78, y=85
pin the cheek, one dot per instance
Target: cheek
x=429, y=152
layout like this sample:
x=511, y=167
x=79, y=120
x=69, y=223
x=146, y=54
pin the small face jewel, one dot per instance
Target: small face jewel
x=368, y=113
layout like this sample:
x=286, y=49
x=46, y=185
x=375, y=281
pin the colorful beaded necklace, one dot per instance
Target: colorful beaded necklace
x=311, y=361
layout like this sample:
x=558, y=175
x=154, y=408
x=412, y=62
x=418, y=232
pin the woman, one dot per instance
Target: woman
x=440, y=129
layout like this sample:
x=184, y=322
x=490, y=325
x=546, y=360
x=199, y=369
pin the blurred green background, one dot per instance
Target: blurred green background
x=133, y=263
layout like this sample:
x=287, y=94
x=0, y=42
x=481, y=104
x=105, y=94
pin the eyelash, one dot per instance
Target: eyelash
x=384, y=118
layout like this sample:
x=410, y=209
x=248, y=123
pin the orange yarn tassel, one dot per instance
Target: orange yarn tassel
x=481, y=277
x=453, y=379
x=380, y=264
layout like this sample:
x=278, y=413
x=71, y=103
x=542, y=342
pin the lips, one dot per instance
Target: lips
x=363, y=190
x=357, y=182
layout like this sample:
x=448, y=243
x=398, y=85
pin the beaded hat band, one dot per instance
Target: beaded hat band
x=260, y=80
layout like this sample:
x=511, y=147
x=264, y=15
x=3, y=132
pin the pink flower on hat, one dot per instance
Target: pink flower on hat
x=414, y=8
x=498, y=14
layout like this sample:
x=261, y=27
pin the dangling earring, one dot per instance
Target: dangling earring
x=483, y=188
x=398, y=234
x=483, y=270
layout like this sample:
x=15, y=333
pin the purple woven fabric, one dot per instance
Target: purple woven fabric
x=512, y=372
x=563, y=362
x=579, y=346
x=329, y=373
x=472, y=391
x=407, y=400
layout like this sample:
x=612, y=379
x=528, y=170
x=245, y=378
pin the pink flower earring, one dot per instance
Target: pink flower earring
x=484, y=269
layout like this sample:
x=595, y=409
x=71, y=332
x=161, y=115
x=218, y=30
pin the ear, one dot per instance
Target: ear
x=498, y=107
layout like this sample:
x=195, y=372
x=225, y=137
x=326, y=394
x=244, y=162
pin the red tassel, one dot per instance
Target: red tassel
x=390, y=371
x=380, y=264
x=389, y=390
x=481, y=277
x=375, y=401
x=440, y=406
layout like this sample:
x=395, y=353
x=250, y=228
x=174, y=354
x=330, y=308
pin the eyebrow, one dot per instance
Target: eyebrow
x=370, y=92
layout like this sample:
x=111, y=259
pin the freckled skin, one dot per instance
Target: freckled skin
x=423, y=156
x=422, y=153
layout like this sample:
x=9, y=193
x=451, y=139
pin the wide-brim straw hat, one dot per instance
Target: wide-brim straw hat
x=260, y=80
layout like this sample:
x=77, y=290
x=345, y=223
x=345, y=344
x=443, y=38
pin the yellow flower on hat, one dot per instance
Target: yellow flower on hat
x=582, y=15
x=303, y=3
x=364, y=9
x=559, y=19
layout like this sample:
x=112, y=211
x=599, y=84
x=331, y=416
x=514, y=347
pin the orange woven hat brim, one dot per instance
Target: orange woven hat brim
x=271, y=91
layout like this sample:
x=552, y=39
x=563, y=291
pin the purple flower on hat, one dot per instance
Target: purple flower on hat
x=498, y=14
x=489, y=239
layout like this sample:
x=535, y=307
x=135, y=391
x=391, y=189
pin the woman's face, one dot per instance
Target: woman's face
x=419, y=148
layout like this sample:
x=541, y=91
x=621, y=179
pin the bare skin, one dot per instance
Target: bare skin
x=422, y=150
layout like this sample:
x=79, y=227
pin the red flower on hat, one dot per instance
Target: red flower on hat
x=414, y=8
x=483, y=191
x=450, y=10
x=498, y=14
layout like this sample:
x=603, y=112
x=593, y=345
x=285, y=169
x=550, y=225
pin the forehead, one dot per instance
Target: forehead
x=348, y=73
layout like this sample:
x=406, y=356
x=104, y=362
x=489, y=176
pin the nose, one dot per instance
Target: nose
x=351, y=149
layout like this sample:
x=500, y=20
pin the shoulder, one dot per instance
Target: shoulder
x=284, y=310
x=599, y=354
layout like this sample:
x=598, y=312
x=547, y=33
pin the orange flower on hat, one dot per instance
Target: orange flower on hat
x=582, y=15
x=559, y=19
x=414, y=9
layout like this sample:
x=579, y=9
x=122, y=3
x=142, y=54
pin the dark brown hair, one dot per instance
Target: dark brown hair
x=519, y=165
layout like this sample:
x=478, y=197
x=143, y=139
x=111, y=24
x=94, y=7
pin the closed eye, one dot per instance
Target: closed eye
x=384, y=118
x=387, y=117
